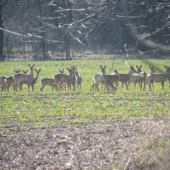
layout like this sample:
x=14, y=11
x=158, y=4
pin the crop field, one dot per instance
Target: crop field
x=82, y=129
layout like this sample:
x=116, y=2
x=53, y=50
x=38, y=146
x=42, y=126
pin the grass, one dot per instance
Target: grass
x=23, y=110
x=45, y=107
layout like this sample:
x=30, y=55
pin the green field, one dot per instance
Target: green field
x=95, y=130
x=52, y=107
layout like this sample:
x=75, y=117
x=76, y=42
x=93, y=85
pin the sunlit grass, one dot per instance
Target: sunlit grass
x=47, y=107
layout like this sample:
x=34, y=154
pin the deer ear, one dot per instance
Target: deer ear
x=29, y=65
x=40, y=69
x=140, y=66
x=165, y=66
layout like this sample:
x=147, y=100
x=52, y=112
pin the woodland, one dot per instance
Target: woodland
x=62, y=29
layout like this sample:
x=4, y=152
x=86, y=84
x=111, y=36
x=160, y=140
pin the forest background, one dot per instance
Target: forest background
x=63, y=29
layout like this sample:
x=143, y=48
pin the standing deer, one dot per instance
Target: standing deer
x=18, y=78
x=20, y=85
x=148, y=79
x=17, y=70
x=25, y=71
x=10, y=80
x=35, y=78
x=124, y=78
x=73, y=82
x=161, y=78
x=2, y=82
x=60, y=78
x=137, y=78
x=78, y=79
x=49, y=82
x=98, y=78
x=109, y=79
x=168, y=72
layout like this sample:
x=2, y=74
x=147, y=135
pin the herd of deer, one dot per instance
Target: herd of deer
x=62, y=80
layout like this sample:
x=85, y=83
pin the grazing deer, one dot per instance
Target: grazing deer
x=18, y=78
x=161, y=78
x=109, y=79
x=49, y=82
x=136, y=78
x=60, y=78
x=124, y=78
x=148, y=79
x=98, y=78
x=78, y=79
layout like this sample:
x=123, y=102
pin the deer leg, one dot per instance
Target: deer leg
x=134, y=86
x=122, y=85
x=140, y=85
x=96, y=86
x=20, y=86
x=150, y=86
x=41, y=89
x=92, y=87
x=127, y=86
x=162, y=83
x=28, y=86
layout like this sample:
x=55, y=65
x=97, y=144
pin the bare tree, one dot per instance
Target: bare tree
x=2, y=4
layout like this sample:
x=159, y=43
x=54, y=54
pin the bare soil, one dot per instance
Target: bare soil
x=117, y=144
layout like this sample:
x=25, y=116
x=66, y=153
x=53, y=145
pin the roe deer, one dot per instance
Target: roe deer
x=25, y=71
x=124, y=78
x=148, y=79
x=2, y=82
x=162, y=78
x=98, y=78
x=60, y=78
x=34, y=80
x=10, y=80
x=48, y=82
x=17, y=70
x=109, y=79
x=137, y=78
x=78, y=79
x=168, y=72
x=18, y=78
x=73, y=82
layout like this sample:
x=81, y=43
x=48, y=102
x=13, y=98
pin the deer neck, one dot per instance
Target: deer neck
x=130, y=73
x=31, y=73
x=36, y=77
x=76, y=74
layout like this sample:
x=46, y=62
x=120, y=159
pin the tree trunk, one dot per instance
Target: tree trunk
x=1, y=36
x=1, y=31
